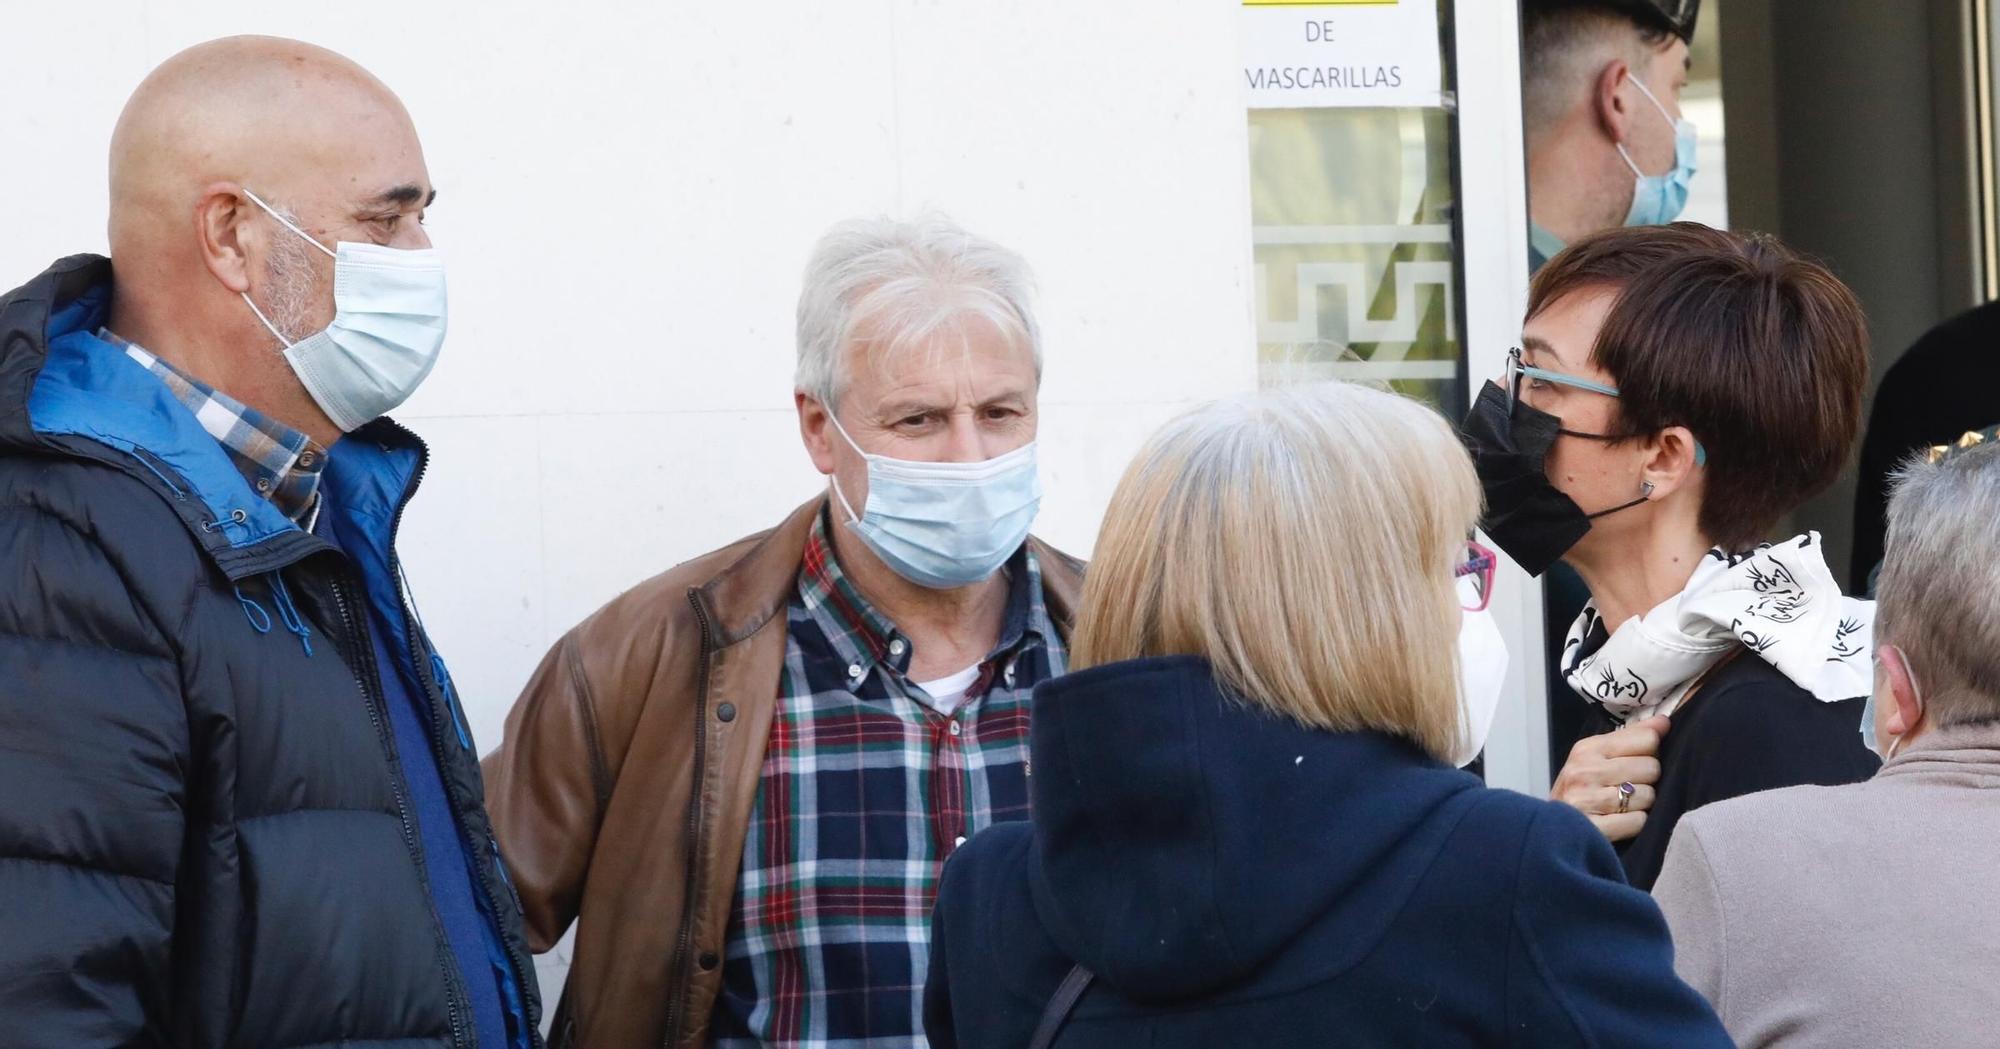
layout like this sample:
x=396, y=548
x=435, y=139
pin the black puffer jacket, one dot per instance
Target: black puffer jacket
x=205, y=836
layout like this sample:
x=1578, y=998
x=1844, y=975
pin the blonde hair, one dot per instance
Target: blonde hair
x=1302, y=541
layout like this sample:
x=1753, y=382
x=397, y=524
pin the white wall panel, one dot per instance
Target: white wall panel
x=628, y=192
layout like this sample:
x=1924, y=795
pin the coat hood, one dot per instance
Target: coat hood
x=1184, y=838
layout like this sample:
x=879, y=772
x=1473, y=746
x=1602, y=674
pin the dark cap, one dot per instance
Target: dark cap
x=1674, y=16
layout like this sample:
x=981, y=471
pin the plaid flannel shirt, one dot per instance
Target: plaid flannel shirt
x=865, y=791
x=279, y=463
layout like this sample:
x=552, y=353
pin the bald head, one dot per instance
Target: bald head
x=260, y=111
x=297, y=126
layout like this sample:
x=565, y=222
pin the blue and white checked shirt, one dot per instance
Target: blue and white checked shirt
x=280, y=463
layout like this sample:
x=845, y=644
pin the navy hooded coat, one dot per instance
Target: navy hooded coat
x=1233, y=878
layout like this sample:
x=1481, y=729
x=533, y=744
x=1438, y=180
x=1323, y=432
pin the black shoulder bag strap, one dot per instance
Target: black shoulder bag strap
x=1059, y=1007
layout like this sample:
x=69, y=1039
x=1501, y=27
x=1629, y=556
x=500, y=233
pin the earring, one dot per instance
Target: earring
x=1645, y=489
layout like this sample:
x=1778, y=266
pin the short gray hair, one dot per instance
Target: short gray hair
x=907, y=282
x=1938, y=597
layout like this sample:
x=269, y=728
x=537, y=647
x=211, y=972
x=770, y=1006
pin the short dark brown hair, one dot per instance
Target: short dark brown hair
x=1762, y=353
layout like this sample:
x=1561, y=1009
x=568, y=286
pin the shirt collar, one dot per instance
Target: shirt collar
x=1970, y=747
x=867, y=639
x=1543, y=241
x=279, y=463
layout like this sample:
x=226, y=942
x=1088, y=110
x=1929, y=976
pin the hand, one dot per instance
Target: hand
x=1590, y=779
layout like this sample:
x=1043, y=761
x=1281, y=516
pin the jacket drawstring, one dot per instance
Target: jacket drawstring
x=289, y=612
x=253, y=612
x=443, y=678
x=438, y=672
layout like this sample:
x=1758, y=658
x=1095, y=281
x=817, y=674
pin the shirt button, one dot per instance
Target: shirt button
x=306, y=459
x=263, y=484
x=954, y=728
x=854, y=671
x=1010, y=675
x=896, y=647
x=958, y=842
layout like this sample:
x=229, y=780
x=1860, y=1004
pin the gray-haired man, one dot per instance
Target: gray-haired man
x=743, y=776
x=1864, y=914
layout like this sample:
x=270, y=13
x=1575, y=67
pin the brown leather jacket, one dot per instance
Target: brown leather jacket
x=622, y=792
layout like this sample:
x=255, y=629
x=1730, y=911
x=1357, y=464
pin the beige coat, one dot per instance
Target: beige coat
x=1863, y=915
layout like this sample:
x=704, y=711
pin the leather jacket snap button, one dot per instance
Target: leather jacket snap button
x=726, y=712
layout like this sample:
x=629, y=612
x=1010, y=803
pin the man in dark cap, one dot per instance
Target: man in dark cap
x=1600, y=89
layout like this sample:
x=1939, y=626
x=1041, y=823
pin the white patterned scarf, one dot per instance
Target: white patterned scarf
x=1779, y=601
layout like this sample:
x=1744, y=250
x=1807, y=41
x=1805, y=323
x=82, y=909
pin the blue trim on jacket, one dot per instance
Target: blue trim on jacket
x=364, y=473
x=88, y=388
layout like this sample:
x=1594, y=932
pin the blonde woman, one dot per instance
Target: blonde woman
x=1246, y=827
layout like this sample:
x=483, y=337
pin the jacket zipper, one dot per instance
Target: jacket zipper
x=366, y=672
x=681, y=978
x=438, y=729
x=435, y=693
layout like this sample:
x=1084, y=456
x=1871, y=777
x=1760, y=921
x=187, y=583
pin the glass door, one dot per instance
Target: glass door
x=1388, y=230
x=1352, y=195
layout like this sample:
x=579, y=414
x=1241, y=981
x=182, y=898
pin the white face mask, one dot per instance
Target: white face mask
x=388, y=327
x=945, y=525
x=1482, y=672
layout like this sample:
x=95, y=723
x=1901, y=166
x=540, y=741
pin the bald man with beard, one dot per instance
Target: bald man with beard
x=241, y=806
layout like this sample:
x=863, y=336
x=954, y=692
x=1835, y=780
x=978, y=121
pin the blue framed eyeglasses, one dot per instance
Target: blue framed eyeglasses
x=1518, y=369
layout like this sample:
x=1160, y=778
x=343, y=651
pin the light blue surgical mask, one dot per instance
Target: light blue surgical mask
x=1658, y=199
x=945, y=525
x=1868, y=725
x=388, y=327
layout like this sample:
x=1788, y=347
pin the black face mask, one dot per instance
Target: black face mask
x=1529, y=518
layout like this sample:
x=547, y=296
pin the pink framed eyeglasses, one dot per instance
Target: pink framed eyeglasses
x=1478, y=565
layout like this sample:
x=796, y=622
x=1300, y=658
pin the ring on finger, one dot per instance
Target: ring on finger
x=1625, y=792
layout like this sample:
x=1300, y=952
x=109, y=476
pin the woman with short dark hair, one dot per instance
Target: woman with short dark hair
x=1678, y=391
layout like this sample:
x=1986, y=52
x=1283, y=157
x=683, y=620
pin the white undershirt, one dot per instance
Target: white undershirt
x=946, y=693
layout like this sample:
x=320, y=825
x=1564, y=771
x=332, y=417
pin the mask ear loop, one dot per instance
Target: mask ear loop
x=1664, y=115
x=1627, y=158
x=1620, y=506
x=852, y=517
x=1645, y=487
x=272, y=328
x=1911, y=673
x=287, y=223
x=303, y=235
x=1650, y=97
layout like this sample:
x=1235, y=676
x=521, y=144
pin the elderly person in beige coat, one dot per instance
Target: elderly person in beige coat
x=1866, y=915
